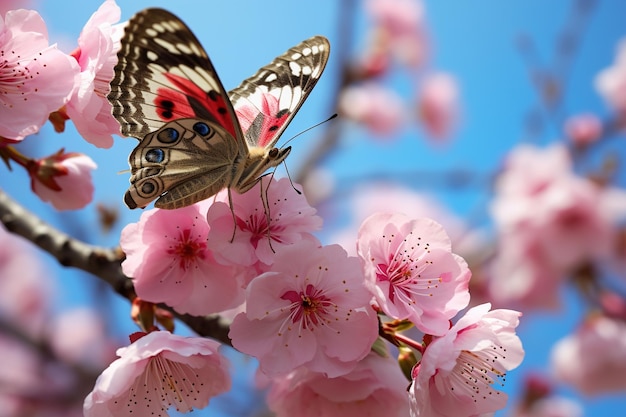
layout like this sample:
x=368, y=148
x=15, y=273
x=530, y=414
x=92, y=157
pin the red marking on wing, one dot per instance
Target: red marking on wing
x=175, y=103
x=172, y=104
x=272, y=118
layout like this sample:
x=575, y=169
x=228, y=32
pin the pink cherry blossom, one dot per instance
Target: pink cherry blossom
x=255, y=243
x=63, y=179
x=552, y=407
x=311, y=309
x=156, y=372
x=613, y=304
x=528, y=169
x=402, y=23
x=35, y=385
x=35, y=78
x=520, y=276
x=593, y=359
x=412, y=270
x=438, y=104
x=78, y=336
x=21, y=377
x=375, y=62
x=538, y=191
x=168, y=258
x=456, y=374
x=7, y=5
x=549, y=222
x=98, y=44
x=25, y=288
x=583, y=129
x=376, y=387
x=611, y=82
x=399, y=16
x=381, y=110
x=391, y=196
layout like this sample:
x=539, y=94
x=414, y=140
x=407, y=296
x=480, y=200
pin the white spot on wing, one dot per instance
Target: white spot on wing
x=196, y=49
x=205, y=80
x=170, y=26
x=170, y=48
x=295, y=68
x=184, y=48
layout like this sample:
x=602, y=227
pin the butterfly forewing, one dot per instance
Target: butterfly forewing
x=164, y=74
x=266, y=102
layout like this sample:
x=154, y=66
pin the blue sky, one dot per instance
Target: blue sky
x=475, y=41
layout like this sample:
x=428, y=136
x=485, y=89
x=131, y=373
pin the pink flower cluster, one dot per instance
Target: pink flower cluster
x=37, y=79
x=310, y=312
x=398, y=34
x=36, y=384
x=611, y=83
x=400, y=25
x=598, y=348
x=39, y=82
x=550, y=223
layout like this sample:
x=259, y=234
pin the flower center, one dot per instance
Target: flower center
x=309, y=308
x=187, y=249
x=164, y=383
x=476, y=372
x=257, y=223
x=14, y=73
x=403, y=270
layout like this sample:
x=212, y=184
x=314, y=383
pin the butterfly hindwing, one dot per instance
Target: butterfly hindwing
x=266, y=102
x=186, y=161
x=164, y=74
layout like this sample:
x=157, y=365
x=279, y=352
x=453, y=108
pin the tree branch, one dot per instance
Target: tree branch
x=104, y=263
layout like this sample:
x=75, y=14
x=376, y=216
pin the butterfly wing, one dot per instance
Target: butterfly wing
x=164, y=86
x=186, y=161
x=266, y=102
x=164, y=74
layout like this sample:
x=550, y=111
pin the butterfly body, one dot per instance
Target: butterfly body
x=195, y=138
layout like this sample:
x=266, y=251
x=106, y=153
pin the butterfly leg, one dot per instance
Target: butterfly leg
x=232, y=210
x=266, y=206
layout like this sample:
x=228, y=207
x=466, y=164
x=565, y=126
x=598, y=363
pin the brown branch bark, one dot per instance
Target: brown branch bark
x=104, y=263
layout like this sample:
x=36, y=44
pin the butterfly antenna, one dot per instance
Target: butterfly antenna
x=289, y=176
x=311, y=128
x=304, y=131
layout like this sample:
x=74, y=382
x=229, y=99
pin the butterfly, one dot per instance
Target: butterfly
x=195, y=139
